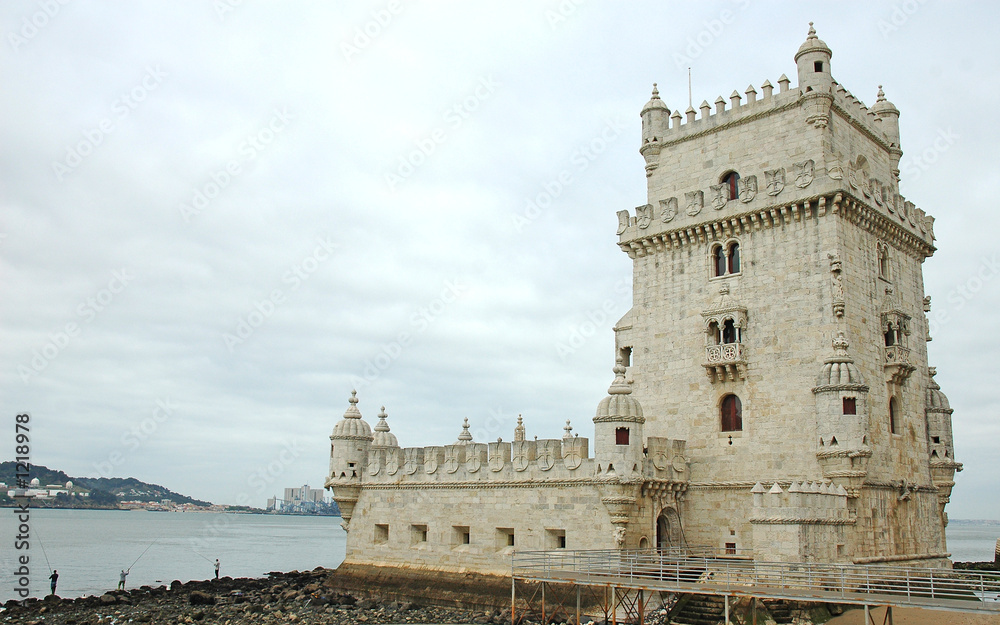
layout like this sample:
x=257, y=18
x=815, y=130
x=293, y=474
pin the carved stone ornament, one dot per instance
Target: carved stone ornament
x=622, y=221
x=620, y=537
x=573, y=458
x=430, y=463
x=660, y=460
x=747, y=188
x=375, y=462
x=720, y=195
x=392, y=462
x=644, y=215
x=547, y=455
x=804, y=173
x=474, y=463
x=695, y=202
x=410, y=461
x=889, y=195
x=668, y=209
x=877, y=191
x=451, y=460
x=836, y=172
x=679, y=464
x=520, y=458
x=496, y=462
x=775, y=180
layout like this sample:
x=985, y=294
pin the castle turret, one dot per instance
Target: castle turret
x=618, y=435
x=842, y=419
x=655, y=122
x=349, y=445
x=941, y=448
x=383, y=438
x=813, y=61
x=887, y=113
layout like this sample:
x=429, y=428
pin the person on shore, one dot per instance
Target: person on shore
x=121, y=579
x=53, y=579
x=216, y=568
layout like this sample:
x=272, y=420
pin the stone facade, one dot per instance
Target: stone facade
x=772, y=396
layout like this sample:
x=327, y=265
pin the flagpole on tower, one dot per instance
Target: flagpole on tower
x=689, y=88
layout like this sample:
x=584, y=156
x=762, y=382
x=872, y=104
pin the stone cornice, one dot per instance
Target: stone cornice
x=860, y=213
x=793, y=102
x=861, y=388
x=801, y=521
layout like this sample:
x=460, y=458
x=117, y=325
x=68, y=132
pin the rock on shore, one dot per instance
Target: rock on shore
x=303, y=598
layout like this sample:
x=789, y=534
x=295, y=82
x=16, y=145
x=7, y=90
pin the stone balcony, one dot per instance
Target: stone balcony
x=725, y=362
x=896, y=362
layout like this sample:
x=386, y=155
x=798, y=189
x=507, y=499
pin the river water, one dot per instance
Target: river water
x=90, y=547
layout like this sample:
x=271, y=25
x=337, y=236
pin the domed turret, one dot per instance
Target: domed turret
x=352, y=425
x=618, y=436
x=888, y=115
x=841, y=401
x=839, y=369
x=655, y=121
x=938, y=413
x=383, y=438
x=813, y=61
x=349, y=443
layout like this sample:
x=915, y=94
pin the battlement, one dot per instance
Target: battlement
x=803, y=503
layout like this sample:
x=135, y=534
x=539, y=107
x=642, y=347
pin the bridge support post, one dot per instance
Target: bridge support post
x=868, y=616
x=578, y=605
x=725, y=602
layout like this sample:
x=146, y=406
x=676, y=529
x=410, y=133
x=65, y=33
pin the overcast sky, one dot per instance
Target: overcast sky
x=220, y=217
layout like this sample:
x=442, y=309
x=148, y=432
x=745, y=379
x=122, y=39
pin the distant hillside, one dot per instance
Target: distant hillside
x=120, y=489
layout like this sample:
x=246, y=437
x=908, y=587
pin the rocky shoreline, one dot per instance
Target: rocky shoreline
x=305, y=598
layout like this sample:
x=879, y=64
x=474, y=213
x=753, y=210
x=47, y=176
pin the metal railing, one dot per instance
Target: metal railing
x=966, y=591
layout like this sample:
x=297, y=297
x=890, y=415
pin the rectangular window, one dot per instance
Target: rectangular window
x=850, y=405
x=818, y=66
x=555, y=539
x=381, y=533
x=626, y=354
x=461, y=535
x=730, y=549
x=505, y=538
x=621, y=436
x=936, y=439
x=418, y=534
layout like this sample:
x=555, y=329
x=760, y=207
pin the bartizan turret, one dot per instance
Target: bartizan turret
x=349, y=445
x=939, y=442
x=815, y=80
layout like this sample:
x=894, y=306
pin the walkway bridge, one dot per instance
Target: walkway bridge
x=622, y=583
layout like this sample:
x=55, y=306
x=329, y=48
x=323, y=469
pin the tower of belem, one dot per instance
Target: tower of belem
x=771, y=397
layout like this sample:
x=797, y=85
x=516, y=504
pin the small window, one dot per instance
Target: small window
x=720, y=261
x=818, y=66
x=461, y=535
x=734, y=257
x=381, y=533
x=730, y=549
x=713, y=332
x=621, y=436
x=626, y=355
x=850, y=405
x=505, y=538
x=731, y=180
x=555, y=538
x=936, y=439
x=418, y=534
x=732, y=414
x=893, y=415
x=890, y=337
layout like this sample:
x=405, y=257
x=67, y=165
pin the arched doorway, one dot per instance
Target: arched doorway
x=668, y=530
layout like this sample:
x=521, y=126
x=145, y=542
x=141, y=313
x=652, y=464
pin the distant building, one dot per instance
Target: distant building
x=302, y=500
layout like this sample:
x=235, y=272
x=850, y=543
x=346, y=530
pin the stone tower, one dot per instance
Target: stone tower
x=774, y=228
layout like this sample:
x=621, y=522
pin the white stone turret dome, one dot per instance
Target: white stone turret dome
x=383, y=438
x=352, y=426
x=654, y=102
x=883, y=106
x=619, y=405
x=935, y=399
x=839, y=370
x=813, y=44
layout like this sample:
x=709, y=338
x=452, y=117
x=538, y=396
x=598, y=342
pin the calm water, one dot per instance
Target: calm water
x=90, y=547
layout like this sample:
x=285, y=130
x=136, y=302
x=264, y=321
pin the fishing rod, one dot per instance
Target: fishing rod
x=201, y=556
x=142, y=554
x=39, y=536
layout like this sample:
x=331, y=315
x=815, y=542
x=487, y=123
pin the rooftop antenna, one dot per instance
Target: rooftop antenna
x=689, y=88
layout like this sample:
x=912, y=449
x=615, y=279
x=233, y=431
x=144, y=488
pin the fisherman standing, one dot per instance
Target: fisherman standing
x=54, y=578
x=216, y=568
x=121, y=579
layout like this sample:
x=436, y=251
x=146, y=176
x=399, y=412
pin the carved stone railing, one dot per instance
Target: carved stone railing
x=726, y=361
x=896, y=362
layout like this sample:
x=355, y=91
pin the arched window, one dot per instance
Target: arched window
x=882, y=252
x=734, y=257
x=719, y=257
x=890, y=337
x=732, y=414
x=893, y=415
x=714, y=335
x=729, y=333
x=730, y=179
